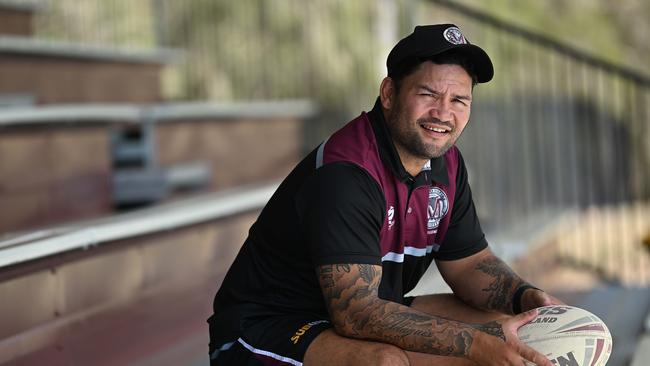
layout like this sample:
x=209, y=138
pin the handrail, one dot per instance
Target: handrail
x=49, y=47
x=545, y=41
x=25, y=6
x=209, y=207
x=101, y=113
x=69, y=113
x=299, y=108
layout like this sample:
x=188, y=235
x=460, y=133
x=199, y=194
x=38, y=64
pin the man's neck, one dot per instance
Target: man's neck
x=412, y=164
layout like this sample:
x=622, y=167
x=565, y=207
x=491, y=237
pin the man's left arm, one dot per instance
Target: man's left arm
x=485, y=282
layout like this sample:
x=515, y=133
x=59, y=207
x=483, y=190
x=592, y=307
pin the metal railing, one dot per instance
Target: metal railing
x=560, y=139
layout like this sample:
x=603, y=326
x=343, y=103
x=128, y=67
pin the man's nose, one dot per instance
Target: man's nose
x=441, y=109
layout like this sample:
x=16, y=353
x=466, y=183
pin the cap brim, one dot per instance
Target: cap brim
x=479, y=58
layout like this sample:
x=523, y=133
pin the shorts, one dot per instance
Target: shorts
x=277, y=340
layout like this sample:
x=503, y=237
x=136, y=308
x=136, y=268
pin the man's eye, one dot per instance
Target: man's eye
x=461, y=101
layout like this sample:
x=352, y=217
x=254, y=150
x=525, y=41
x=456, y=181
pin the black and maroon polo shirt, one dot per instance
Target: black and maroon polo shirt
x=350, y=201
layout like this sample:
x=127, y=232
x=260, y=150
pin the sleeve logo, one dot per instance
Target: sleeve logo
x=391, y=217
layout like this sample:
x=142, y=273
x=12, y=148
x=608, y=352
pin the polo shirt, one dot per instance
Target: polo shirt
x=350, y=201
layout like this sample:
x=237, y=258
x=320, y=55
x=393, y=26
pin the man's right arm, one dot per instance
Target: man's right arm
x=356, y=311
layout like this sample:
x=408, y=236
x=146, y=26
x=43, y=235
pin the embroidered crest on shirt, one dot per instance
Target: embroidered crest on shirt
x=438, y=208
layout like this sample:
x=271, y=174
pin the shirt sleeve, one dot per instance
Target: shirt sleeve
x=464, y=236
x=340, y=210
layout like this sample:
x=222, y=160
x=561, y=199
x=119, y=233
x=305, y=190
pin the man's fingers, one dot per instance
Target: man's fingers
x=533, y=356
x=522, y=349
x=554, y=300
x=543, y=299
x=524, y=318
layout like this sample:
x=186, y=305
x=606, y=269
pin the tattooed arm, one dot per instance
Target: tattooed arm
x=486, y=282
x=351, y=295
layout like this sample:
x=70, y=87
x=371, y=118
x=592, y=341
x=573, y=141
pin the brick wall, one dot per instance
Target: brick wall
x=239, y=151
x=66, y=80
x=59, y=173
x=15, y=22
x=52, y=174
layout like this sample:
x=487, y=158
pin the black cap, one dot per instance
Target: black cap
x=431, y=40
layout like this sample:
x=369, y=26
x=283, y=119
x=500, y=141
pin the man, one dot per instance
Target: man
x=322, y=276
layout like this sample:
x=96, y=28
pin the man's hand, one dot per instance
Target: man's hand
x=497, y=343
x=533, y=298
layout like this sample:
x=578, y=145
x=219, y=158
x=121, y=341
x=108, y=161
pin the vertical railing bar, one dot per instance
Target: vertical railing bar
x=572, y=124
x=267, y=90
x=585, y=161
x=620, y=190
x=508, y=125
x=639, y=104
x=624, y=152
x=541, y=127
x=606, y=122
x=631, y=113
x=584, y=121
x=495, y=159
x=526, y=136
x=476, y=175
x=559, y=188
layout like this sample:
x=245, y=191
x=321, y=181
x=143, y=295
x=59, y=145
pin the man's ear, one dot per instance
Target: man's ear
x=387, y=93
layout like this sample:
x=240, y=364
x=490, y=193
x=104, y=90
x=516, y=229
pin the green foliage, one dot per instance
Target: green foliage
x=329, y=50
x=616, y=31
x=253, y=49
x=114, y=22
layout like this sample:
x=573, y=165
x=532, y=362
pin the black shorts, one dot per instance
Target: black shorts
x=276, y=340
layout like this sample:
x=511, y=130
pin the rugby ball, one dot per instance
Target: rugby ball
x=568, y=336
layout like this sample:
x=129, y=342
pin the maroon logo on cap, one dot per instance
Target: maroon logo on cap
x=454, y=36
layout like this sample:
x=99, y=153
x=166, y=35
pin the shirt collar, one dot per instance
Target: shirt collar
x=436, y=170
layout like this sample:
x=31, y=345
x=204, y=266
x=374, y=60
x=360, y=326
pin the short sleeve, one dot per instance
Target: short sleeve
x=340, y=210
x=464, y=236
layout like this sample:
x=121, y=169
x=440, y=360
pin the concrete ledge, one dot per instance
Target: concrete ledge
x=147, y=221
x=253, y=109
x=164, y=112
x=142, y=296
x=28, y=6
x=642, y=353
x=41, y=47
x=70, y=113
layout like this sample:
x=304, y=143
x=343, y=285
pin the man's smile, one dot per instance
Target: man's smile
x=435, y=129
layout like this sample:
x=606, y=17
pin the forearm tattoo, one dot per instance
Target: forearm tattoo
x=502, y=284
x=492, y=328
x=351, y=296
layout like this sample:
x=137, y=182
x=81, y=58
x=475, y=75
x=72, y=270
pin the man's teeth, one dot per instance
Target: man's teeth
x=435, y=129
